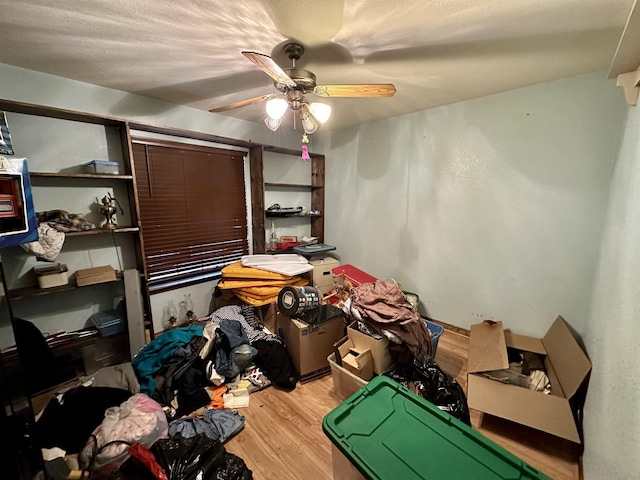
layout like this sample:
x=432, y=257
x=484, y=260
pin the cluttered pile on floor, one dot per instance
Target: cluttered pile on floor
x=168, y=412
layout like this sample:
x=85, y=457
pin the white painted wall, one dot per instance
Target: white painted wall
x=491, y=208
x=612, y=411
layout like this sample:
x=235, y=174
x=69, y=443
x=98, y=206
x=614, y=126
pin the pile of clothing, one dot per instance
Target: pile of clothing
x=173, y=406
x=381, y=308
x=214, y=363
x=107, y=428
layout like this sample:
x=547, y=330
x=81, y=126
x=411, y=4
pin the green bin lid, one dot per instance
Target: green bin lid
x=388, y=432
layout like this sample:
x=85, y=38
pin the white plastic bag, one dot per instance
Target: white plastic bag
x=139, y=419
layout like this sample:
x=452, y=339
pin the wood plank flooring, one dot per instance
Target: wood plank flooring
x=283, y=437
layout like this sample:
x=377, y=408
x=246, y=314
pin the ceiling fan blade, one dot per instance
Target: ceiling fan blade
x=359, y=90
x=243, y=103
x=271, y=68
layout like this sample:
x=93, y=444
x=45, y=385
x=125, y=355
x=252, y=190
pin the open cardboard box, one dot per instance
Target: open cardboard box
x=379, y=347
x=310, y=345
x=358, y=361
x=567, y=367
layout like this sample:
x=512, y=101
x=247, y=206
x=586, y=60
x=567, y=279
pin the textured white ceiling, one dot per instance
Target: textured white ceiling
x=435, y=52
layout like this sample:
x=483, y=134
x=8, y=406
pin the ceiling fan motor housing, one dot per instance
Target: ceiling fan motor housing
x=295, y=99
x=305, y=80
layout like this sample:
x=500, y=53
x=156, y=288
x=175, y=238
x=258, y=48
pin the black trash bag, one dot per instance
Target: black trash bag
x=429, y=381
x=198, y=458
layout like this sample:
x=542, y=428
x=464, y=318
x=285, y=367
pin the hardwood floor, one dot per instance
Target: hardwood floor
x=283, y=437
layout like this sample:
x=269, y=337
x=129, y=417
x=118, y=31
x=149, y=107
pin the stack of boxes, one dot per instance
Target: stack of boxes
x=322, y=276
x=309, y=345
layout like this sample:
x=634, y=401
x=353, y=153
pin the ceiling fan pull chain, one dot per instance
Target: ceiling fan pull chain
x=305, y=153
x=305, y=149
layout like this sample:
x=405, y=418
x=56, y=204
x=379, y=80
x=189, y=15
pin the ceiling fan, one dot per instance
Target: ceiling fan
x=294, y=83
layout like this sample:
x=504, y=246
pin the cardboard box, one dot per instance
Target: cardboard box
x=91, y=276
x=322, y=276
x=356, y=360
x=309, y=346
x=379, y=348
x=345, y=383
x=268, y=314
x=567, y=367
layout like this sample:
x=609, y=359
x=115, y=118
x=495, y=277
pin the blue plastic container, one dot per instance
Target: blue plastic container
x=436, y=330
x=108, y=323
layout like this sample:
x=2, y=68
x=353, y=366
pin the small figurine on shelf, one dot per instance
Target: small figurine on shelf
x=108, y=209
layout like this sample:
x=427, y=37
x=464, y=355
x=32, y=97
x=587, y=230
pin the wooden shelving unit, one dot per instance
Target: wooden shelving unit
x=258, y=186
x=68, y=177
x=124, y=127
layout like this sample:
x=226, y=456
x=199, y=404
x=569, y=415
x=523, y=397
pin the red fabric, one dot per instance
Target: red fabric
x=143, y=455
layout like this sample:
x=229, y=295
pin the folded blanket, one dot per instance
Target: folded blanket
x=64, y=221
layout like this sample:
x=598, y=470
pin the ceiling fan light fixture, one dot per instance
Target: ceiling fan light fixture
x=320, y=111
x=273, y=123
x=309, y=123
x=276, y=108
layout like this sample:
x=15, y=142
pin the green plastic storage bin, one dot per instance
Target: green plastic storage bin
x=388, y=433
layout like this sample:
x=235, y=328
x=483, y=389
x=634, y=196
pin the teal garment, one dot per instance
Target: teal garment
x=153, y=355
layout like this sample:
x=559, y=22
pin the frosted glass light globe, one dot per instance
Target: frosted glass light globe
x=276, y=108
x=321, y=111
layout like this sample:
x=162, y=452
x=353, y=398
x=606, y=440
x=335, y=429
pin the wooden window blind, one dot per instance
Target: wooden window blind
x=193, y=210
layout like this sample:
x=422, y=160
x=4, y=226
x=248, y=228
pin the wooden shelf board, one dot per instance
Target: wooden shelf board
x=98, y=231
x=33, y=291
x=295, y=215
x=80, y=175
x=291, y=185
